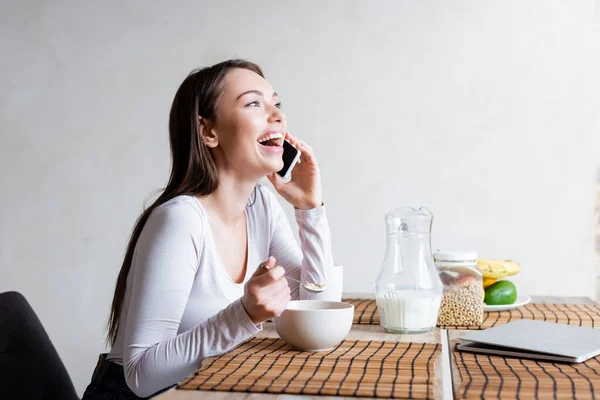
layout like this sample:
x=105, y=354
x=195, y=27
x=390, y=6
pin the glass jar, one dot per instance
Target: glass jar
x=462, y=301
x=408, y=289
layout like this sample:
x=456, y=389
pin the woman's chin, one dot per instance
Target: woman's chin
x=272, y=161
x=274, y=167
x=278, y=168
x=270, y=169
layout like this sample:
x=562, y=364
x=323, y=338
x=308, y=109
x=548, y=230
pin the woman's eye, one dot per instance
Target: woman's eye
x=257, y=103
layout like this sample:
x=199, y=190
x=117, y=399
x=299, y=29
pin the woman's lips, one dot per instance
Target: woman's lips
x=271, y=149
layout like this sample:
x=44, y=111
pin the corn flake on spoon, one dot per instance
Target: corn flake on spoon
x=308, y=286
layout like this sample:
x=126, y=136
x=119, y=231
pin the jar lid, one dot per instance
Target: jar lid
x=454, y=256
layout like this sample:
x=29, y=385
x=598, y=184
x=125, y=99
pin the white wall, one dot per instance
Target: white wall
x=597, y=229
x=485, y=111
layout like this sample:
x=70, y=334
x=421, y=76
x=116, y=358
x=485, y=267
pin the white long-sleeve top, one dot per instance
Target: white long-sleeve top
x=181, y=304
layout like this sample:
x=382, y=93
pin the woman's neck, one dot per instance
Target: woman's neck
x=228, y=202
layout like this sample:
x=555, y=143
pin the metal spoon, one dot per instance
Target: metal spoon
x=309, y=287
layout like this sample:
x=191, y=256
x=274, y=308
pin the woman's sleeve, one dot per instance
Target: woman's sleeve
x=165, y=263
x=312, y=261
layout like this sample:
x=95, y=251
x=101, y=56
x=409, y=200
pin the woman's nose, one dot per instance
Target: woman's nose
x=276, y=115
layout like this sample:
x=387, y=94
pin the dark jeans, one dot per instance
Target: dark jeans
x=30, y=368
x=108, y=383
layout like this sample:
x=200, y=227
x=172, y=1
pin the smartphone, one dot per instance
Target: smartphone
x=291, y=156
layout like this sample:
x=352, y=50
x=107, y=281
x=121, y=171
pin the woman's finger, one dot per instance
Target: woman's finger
x=282, y=298
x=267, y=282
x=265, y=266
x=290, y=138
x=276, y=180
x=307, y=154
x=305, y=146
x=297, y=142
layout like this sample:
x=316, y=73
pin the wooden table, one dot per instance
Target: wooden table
x=453, y=335
x=446, y=373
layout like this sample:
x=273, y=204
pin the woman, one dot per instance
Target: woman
x=190, y=286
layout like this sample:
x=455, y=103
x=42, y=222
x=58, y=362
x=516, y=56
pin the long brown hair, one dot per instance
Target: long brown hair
x=193, y=170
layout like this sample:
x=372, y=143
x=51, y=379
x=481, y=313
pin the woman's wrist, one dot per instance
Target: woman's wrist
x=309, y=205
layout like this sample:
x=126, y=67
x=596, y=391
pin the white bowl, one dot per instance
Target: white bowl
x=314, y=325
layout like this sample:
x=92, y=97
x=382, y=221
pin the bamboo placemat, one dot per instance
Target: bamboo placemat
x=352, y=368
x=491, y=377
x=365, y=312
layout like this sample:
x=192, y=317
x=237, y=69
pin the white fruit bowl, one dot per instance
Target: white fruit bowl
x=314, y=325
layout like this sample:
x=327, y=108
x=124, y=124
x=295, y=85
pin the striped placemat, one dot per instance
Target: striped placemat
x=365, y=312
x=494, y=377
x=352, y=368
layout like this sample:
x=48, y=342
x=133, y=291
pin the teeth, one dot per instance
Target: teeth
x=269, y=137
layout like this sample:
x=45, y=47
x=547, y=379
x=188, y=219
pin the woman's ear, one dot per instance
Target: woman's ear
x=207, y=134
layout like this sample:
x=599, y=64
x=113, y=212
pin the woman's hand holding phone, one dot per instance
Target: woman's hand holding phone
x=304, y=189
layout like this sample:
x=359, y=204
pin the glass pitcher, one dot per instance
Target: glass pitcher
x=408, y=289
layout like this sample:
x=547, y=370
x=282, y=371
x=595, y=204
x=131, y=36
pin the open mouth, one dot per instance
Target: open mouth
x=271, y=140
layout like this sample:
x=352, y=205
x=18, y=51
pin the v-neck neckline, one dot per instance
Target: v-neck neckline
x=216, y=248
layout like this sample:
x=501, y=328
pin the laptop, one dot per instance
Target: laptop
x=536, y=340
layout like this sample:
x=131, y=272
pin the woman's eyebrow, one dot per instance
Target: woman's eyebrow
x=258, y=92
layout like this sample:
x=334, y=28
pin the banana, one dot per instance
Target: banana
x=487, y=282
x=498, y=269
